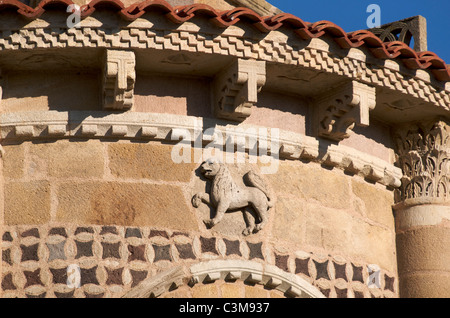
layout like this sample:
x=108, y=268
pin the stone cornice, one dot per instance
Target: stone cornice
x=241, y=41
x=162, y=127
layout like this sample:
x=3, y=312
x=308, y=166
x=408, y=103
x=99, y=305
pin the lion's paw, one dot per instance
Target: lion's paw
x=209, y=223
x=247, y=231
x=196, y=201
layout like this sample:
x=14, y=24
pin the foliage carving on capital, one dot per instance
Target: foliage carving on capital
x=423, y=154
x=236, y=89
x=119, y=77
x=341, y=109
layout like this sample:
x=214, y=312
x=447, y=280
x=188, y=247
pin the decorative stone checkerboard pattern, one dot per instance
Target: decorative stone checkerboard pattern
x=114, y=259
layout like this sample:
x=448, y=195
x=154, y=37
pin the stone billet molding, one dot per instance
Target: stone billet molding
x=162, y=127
x=424, y=156
x=339, y=110
x=274, y=48
x=119, y=77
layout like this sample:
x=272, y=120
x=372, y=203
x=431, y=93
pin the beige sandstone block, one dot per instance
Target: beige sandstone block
x=336, y=230
x=205, y=291
x=310, y=181
x=375, y=244
x=377, y=202
x=65, y=159
x=255, y=292
x=289, y=214
x=124, y=204
x=425, y=248
x=328, y=228
x=13, y=161
x=27, y=203
x=147, y=161
x=231, y=291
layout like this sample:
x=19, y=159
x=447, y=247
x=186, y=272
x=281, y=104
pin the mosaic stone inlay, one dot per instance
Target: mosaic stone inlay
x=112, y=260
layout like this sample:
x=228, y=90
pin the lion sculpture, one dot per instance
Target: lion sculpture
x=226, y=195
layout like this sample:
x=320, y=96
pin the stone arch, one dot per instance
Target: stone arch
x=251, y=272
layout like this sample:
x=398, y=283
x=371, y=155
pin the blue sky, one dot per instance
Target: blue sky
x=351, y=15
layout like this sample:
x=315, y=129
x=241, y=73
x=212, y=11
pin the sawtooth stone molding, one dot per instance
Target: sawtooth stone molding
x=339, y=110
x=275, y=47
x=119, y=77
x=236, y=89
x=424, y=156
x=229, y=270
x=255, y=273
x=151, y=126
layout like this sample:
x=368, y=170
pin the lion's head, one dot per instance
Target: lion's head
x=210, y=168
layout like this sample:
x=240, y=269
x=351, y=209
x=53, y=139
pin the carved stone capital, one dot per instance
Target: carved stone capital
x=423, y=154
x=236, y=89
x=339, y=110
x=119, y=77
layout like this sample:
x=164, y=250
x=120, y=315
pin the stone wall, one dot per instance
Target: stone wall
x=122, y=211
x=89, y=189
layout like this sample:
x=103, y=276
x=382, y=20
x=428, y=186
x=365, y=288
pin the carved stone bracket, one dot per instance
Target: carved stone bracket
x=236, y=89
x=338, y=111
x=423, y=154
x=119, y=77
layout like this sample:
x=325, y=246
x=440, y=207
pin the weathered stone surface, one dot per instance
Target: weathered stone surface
x=313, y=182
x=290, y=214
x=147, y=161
x=128, y=204
x=27, y=202
x=231, y=291
x=425, y=285
x=377, y=202
x=205, y=291
x=65, y=159
x=13, y=161
x=424, y=249
x=336, y=231
x=255, y=292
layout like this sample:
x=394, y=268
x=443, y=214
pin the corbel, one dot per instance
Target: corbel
x=339, y=110
x=236, y=89
x=119, y=77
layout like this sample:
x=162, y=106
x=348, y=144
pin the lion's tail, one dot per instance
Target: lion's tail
x=252, y=179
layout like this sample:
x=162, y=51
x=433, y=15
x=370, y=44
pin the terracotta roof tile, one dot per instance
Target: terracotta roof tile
x=305, y=30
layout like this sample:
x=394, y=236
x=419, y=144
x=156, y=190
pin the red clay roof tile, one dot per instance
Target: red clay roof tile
x=223, y=19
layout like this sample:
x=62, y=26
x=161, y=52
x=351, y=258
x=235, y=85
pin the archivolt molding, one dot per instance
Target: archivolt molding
x=234, y=41
x=255, y=273
x=168, y=127
x=230, y=270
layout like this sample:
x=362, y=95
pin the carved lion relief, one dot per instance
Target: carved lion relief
x=226, y=195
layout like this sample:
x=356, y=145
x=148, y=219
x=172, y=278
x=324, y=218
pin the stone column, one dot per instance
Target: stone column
x=422, y=214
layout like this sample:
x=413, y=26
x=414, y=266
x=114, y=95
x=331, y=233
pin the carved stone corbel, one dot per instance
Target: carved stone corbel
x=424, y=155
x=339, y=110
x=119, y=77
x=236, y=89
